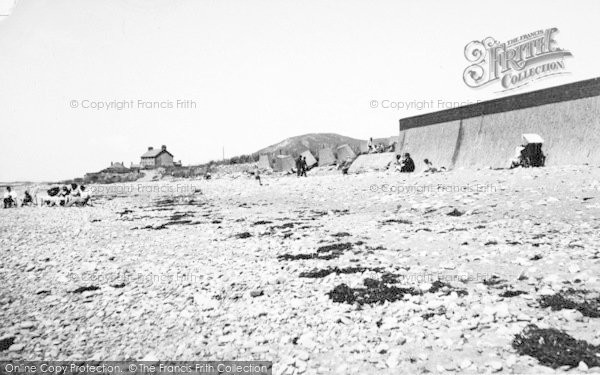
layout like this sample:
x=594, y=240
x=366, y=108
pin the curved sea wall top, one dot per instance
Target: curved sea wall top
x=486, y=134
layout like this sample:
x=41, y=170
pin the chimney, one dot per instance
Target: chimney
x=150, y=148
x=164, y=147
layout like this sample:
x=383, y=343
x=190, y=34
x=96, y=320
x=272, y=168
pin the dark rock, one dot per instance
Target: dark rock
x=455, y=212
x=82, y=289
x=341, y=234
x=6, y=342
x=512, y=293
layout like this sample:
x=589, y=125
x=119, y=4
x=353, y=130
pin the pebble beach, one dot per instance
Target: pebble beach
x=377, y=272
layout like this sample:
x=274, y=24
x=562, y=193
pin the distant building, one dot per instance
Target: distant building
x=157, y=158
x=135, y=167
x=116, y=167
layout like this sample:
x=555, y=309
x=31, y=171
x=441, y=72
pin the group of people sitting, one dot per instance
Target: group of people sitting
x=67, y=195
x=10, y=198
x=379, y=148
x=528, y=155
x=405, y=164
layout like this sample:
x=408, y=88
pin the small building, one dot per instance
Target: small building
x=156, y=158
x=135, y=167
x=116, y=167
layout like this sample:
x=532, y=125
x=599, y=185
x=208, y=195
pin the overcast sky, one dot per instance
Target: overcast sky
x=257, y=71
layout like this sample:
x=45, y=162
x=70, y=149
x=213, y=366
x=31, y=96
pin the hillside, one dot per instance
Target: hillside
x=312, y=142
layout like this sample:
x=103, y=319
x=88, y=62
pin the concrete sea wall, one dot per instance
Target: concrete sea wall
x=485, y=134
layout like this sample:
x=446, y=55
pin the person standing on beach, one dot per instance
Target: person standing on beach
x=257, y=175
x=299, y=166
x=304, y=166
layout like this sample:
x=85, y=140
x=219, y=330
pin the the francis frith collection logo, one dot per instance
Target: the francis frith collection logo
x=516, y=62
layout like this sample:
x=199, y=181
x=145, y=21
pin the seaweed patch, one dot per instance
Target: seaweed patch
x=374, y=292
x=554, y=348
x=573, y=300
x=512, y=293
x=316, y=273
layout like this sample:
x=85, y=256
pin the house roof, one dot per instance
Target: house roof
x=154, y=153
